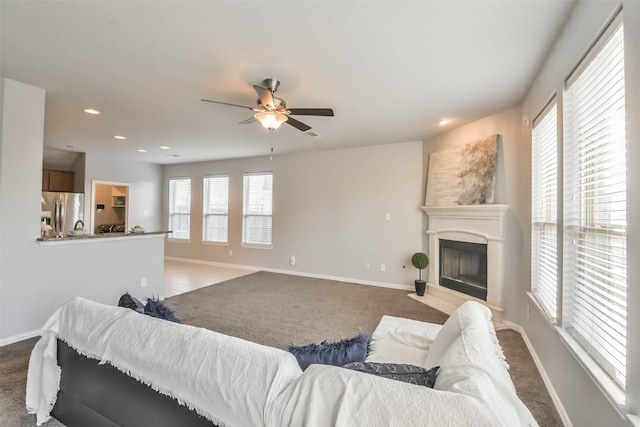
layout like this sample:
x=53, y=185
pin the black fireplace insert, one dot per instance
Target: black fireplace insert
x=463, y=267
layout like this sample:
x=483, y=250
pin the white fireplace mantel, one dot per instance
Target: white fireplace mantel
x=469, y=223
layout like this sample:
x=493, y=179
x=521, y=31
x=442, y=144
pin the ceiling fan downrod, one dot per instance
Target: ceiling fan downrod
x=271, y=84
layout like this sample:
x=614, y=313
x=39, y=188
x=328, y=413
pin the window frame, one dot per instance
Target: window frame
x=601, y=377
x=584, y=223
x=551, y=111
x=245, y=215
x=205, y=210
x=172, y=214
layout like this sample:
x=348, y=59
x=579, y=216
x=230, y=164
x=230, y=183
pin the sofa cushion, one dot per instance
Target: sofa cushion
x=467, y=314
x=398, y=371
x=337, y=353
x=400, y=340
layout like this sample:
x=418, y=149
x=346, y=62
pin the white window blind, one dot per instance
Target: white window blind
x=544, y=210
x=179, y=207
x=595, y=220
x=216, y=209
x=258, y=209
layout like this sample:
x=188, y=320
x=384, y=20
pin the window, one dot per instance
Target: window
x=594, y=310
x=257, y=209
x=179, y=207
x=215, y=216
x=544, y=210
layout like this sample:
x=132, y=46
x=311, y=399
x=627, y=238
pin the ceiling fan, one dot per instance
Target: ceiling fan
x=271, y=111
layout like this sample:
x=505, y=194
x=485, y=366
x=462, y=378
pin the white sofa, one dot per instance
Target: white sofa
x=238, y=383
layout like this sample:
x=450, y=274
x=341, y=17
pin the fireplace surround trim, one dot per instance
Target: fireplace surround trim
x=469, y=223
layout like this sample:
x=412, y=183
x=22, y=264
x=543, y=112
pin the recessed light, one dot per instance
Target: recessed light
x=68, y=146
x=142, y=151
x=91, y=111
x=443, y=122
x=164, y=147
x=120, y=137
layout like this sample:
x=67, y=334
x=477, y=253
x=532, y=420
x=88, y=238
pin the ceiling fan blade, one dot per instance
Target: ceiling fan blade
x=328, y=112
x=248, y=121
x=297, y=124
x=233, y=105
x=265, y=95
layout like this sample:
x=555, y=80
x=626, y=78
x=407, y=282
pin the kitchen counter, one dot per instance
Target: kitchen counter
x=99, y=237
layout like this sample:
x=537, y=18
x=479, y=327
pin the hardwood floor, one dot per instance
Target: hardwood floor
x=181, y=277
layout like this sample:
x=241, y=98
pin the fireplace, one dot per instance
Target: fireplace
x=463, y=267
x=476, y=270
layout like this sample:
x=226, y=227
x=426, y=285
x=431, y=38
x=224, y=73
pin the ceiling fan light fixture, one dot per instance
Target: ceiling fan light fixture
x=269, y=120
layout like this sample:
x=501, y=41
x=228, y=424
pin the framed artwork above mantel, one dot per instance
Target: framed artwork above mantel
x=463, y=175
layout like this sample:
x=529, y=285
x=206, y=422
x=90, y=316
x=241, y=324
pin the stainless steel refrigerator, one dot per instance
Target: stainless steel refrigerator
x=61, y=211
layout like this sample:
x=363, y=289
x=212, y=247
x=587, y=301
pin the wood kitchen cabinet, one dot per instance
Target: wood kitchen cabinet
x=53, y=180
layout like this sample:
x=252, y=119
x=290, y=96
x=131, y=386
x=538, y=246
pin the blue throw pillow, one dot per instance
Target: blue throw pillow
x=153, y=308
x=338, y=353
x=400, y=372
x=157, y=308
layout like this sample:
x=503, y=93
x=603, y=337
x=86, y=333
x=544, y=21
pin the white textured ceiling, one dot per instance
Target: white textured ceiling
x=389, y=69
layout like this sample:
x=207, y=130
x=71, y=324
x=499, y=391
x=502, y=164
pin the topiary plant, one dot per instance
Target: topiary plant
x=420, y=261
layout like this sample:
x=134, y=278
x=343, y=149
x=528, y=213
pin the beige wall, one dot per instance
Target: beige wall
x=329, y=211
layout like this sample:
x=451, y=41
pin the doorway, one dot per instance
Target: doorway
x=110, y=203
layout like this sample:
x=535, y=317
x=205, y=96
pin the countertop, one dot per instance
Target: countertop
x=100, y=236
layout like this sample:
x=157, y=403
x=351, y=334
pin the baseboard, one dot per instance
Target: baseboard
x=212, y=263
x=293, y=273
x=19, y=337
x=545, y=378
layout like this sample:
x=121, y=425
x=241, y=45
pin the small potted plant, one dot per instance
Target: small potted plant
x=420, y=261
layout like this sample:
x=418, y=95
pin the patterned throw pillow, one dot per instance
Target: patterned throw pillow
x=127, y=301
x=400, y=372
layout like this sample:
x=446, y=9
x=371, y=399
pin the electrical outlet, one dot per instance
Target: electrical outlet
x=230, y=252
x=143, y=282
x=367, y=266
x=528, y=312
x=388, y=216
x=383, y=267
x=292, y=260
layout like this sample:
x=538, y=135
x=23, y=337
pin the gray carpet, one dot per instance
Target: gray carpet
x=275, y=310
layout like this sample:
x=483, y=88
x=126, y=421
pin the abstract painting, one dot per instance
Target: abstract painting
x=464, y=175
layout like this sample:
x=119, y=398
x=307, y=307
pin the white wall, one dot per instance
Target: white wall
x=583, y=401
x=35, y=279
x=329, y=211
x=510, y=189
x=20, y=192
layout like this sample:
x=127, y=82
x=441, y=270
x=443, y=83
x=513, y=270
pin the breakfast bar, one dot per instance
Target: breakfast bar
x=99, y=237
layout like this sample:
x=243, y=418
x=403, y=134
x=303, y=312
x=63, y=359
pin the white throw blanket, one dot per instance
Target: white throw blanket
x=327, y=396
x=227, y=380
